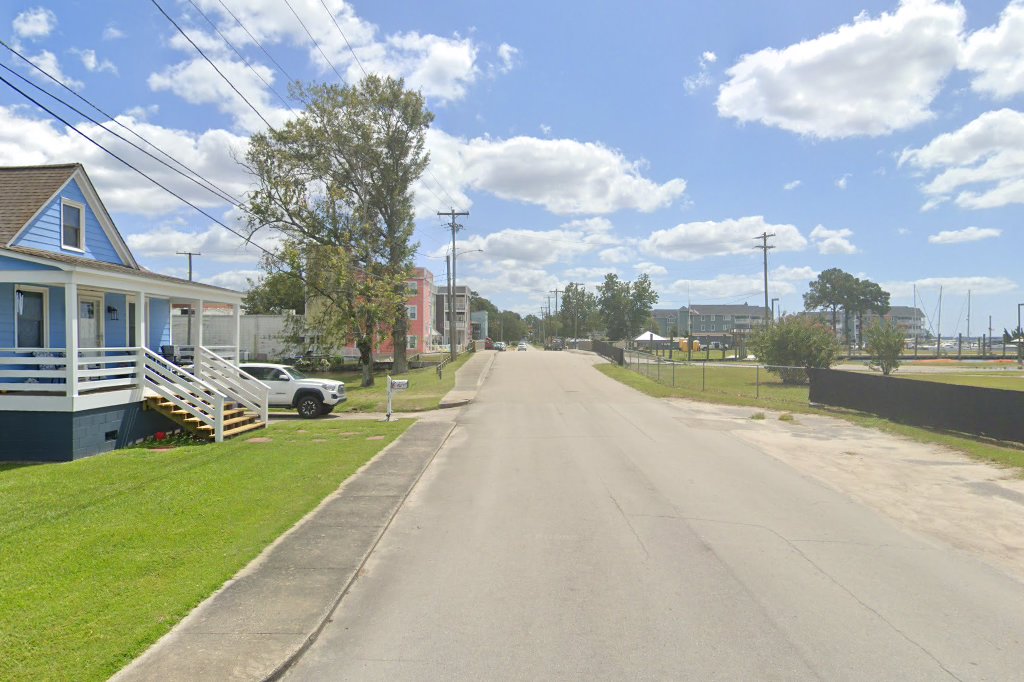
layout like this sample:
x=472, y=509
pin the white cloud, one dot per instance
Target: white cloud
x=92, y=63
x=977, y=285
x=539, y=248
x=616, y=255
x=652, y=269
x=238, y=280
x=30, y=141
x=508, y=55
x=514, y=278
x=48, y=62
x=442, y=68
x=968, y=234
x=986, y=155
x=902, y=231
x=693, y=241
x=871, y=77
x=842, y=182
x=37, y=22
x=545, y=129
x=996, y=54
x=215, y=244
x=830, y=242
x=791, y=185
x=564, y=176
x=112, y=33
x=197, y=82
x=702, y=78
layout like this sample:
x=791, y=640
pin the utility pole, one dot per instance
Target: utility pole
x=968, y=316
x=576, y=318
x=764, y=247
x=556, y=291
x=189, y=323
x=774, y=300
x=455, y=227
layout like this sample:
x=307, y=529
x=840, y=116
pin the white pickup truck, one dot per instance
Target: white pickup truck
x=291, y=388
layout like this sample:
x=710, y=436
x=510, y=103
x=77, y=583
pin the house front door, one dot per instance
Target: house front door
x=90, y=321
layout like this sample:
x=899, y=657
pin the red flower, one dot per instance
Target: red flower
x=160, y=435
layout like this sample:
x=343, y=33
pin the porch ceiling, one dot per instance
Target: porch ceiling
x=114, y=277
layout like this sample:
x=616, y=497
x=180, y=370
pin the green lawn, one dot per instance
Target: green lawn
x=1009, y=381
x=102, y=556
x=732, y=387
x=731, y=384
x=425, y=389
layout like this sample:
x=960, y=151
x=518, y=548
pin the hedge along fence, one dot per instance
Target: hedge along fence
x=991, y=412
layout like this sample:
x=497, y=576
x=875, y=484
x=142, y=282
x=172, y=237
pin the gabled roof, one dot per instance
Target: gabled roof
x=24, y=189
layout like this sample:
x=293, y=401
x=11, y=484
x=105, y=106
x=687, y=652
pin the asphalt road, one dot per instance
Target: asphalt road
x=572, y=528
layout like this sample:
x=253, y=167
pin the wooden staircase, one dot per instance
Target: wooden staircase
x=237, y=419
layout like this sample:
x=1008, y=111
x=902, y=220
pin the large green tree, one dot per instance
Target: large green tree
x=830, y=291
x=578, y=310
x=275, y=293
x=866, y=297
x=337, y=182
x=625, y=306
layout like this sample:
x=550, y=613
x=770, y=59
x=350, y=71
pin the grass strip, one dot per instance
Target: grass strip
x=103, y=556
x=425, y=389
x=737, y=392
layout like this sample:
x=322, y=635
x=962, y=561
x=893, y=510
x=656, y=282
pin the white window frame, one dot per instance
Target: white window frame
x=412, y=312
x=412, y=342
x=46, y=311
x=413, y=288
x=81, y=227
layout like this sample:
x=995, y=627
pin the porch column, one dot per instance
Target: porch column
x=71, y=336
x=238, y=333
x=199, y=323
x=141, y=329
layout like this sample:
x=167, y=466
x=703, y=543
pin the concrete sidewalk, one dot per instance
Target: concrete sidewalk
x=261, y=620
x=469, y=378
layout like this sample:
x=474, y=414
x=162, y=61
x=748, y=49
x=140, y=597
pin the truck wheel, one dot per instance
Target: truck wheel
x=326, y=409
x=309, y=406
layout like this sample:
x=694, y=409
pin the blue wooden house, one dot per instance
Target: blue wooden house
x=87, y=359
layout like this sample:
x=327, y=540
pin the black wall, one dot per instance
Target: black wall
x=66, y=436
x=613, y=353
x=988, y=412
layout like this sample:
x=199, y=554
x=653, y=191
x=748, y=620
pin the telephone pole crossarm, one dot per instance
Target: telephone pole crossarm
x=765, y=247
x=452, y=214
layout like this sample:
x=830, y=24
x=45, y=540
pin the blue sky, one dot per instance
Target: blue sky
x=883, y=138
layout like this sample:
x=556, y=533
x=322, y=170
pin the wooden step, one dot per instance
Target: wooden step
x=243, y=419
x=230, y=433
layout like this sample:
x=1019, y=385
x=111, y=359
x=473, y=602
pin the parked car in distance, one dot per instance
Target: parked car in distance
x=555, y=344
x=500, y=345
x=291, y=388
x=521, y=346
x=488, y=344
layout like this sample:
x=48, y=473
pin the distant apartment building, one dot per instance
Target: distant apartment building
x=708, y=322
x=419, y=307
x=910, y=320
x=462, y=322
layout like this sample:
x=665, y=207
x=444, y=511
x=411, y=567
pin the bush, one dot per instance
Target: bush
x=793, y=345
x=885, y=342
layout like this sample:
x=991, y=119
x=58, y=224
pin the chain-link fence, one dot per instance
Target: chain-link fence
x=728, y=379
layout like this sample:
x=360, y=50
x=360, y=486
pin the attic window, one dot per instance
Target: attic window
x=72, y=220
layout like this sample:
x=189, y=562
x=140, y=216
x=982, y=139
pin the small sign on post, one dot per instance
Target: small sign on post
x=394, y=385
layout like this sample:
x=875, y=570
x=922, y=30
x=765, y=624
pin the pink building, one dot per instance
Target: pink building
x=420, y=312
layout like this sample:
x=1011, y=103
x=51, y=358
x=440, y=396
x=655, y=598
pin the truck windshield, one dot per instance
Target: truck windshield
x=296, y=374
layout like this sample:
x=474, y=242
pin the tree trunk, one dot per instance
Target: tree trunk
x=398, y=338
x=365, y=346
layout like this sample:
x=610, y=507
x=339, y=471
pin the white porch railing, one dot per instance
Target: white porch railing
x=187, y=353
x=201, y=392
x=227, y=377
x=185, y=390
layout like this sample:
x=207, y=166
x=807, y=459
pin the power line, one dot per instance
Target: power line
x=329, y=62
x=338, y=26
x=208, y=184
x=258, y=44
x=210, y=62
x=239, y=54
x=220, y=194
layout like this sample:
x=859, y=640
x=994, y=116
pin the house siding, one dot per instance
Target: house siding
x=115, y=331
x=159, y=323
x=44, y=232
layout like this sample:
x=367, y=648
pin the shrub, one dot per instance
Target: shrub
x=793, y=345
x=885, y=342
